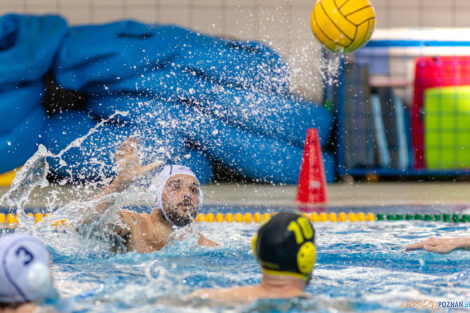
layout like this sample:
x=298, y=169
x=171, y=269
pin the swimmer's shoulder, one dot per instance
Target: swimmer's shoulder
x=130, y=216
x=25, y=308
x=243, y=294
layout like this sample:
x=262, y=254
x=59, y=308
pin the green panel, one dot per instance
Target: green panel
x=447, y=127
x=434, y=158
x=448, y=140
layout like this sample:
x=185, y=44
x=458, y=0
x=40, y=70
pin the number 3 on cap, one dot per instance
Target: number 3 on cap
x=301, y=229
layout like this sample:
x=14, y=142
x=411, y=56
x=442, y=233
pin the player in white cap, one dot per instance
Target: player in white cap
x=178, y=197
x=25, y=273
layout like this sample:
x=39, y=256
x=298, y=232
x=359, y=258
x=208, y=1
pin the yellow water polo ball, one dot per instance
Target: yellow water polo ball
x=343, y=25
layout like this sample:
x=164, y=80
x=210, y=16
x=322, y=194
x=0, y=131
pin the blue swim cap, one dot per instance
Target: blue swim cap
x=25, y=273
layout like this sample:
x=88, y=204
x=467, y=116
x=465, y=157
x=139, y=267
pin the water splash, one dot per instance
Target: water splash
x=33, y=174
x=68, y=204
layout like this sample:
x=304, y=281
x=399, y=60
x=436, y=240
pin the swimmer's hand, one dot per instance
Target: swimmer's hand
x=440, y=245
x=129, y=165
x=129, y=168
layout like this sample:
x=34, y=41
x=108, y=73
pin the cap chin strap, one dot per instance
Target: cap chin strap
x=166, y=217
x=281, y=273
x=160, y=207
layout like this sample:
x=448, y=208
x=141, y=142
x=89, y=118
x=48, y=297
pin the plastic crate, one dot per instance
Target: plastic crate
x=400, y=148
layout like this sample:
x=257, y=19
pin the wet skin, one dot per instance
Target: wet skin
x=151, y=232
x=180, y=198
x=142, y=232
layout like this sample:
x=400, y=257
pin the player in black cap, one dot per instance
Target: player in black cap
x=285, y=249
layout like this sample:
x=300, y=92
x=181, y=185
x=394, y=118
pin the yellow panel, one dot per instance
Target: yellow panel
x=371, y=28
x=353, y=6
x=340, y=3
x=359, y=38
x=7, y=178
x=360, y=16
x=342, y=24
x=330, y=44
x=364, y=32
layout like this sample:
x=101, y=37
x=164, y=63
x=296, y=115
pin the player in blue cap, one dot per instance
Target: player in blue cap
x=25, y=273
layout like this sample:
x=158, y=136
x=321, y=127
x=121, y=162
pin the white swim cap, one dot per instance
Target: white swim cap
x=165, y=174
x=25, y=273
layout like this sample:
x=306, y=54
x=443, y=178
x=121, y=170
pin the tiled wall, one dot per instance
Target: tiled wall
x=218, y=15
x=282, y=23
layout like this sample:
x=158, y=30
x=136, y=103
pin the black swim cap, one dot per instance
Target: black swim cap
x=285, y=245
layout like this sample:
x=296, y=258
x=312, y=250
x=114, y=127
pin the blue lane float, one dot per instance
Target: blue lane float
x=28, y=45
x=20, y=143
x=111, y=52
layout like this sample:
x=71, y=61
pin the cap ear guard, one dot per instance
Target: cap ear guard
x=306, y=257
x=25, y=270
x=39, y=278
x=304, y=235
x=253, y=245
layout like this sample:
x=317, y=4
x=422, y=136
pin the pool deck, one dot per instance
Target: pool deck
x=339, y=194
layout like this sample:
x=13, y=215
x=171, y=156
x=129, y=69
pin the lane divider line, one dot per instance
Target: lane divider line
x=10, y=220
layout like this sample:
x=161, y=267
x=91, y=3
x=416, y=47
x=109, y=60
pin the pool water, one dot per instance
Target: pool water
x=361, y=267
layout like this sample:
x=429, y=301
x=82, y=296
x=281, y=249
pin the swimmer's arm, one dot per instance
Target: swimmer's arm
x=441, y=245
x=202, y=294
x=202, y=241
x=130, y=168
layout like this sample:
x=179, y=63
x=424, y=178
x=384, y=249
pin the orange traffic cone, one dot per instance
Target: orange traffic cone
x=312, y=181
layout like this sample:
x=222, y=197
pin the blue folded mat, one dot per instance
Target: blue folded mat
x=200, y=163
x=28, y=45
x=108, y=53
x=93, y=157
x=17, y=103
x=253, y=156
x=133, y=107
x=165, y=84
x=20, y=143
x=277, y=117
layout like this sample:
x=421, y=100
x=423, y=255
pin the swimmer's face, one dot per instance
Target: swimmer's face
x=180, y=199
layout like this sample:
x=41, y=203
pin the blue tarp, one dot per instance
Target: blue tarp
x=284, y=118
x=109, y=53
x=20, y=143
x=175, y=89
x=28, y=45
x=165, y=131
